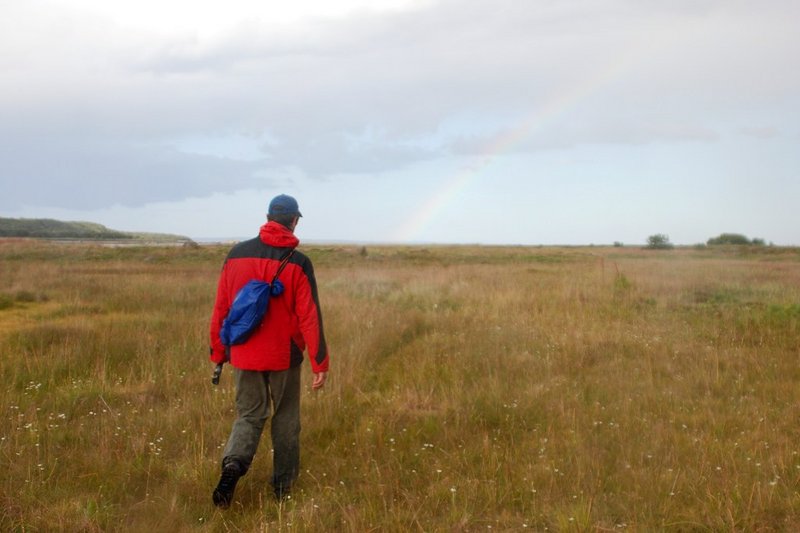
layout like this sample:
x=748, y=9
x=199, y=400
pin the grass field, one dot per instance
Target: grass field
x=471, y=389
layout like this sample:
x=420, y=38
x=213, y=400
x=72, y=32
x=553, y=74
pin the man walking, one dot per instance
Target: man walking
x=266, y=368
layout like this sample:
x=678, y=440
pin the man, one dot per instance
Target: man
x=267, y=366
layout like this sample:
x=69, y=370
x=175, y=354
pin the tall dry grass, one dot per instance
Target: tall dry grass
x=471, y=388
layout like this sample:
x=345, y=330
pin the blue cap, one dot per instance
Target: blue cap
x=283, y=204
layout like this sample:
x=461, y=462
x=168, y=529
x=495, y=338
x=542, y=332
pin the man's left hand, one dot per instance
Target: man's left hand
x=319, y=380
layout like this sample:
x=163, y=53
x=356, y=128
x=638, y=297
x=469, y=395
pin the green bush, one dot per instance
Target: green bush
x=735, y=239
x=659, y=241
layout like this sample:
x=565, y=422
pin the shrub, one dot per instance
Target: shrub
x=735, y=239
x=659, y=241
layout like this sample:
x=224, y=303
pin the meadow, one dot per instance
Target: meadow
x=471, y=389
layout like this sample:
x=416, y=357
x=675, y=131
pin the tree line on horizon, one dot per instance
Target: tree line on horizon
x=46, y=228
x=660, y=241
x=57, y=229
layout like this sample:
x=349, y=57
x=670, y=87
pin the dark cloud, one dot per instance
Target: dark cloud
x=88, y=175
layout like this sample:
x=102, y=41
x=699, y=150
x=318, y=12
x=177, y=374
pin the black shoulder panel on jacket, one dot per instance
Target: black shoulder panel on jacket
x=256, y=248
x=299, y=259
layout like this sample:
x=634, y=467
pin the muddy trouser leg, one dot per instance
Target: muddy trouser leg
x=285, y=390
x=252, y=408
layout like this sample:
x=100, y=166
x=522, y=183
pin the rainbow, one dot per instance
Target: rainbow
x=413, y=228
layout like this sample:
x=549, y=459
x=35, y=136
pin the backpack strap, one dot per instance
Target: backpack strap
x=283, y=264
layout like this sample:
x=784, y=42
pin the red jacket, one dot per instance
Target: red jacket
x=293, y=320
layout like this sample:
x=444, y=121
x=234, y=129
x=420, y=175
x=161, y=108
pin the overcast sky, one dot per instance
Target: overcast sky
x=468, y=121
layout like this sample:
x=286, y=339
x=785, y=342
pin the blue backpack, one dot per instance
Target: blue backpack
x=249, y=307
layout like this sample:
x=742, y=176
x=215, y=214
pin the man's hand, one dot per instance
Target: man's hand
x=319, y=380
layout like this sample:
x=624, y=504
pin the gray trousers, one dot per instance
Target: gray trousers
x=255, y=392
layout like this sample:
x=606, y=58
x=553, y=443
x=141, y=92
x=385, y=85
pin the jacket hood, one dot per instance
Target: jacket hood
x=278, y=235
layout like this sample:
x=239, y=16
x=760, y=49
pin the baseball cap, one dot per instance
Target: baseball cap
x=283, y=204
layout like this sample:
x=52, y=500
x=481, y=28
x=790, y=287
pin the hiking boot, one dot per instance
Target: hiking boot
x=223, y=494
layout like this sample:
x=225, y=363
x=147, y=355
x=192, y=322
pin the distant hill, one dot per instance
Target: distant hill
x=46, y=228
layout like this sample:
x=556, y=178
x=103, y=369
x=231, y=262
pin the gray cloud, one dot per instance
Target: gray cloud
x=90, y=112
x=764, y=132
x=90, y=174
